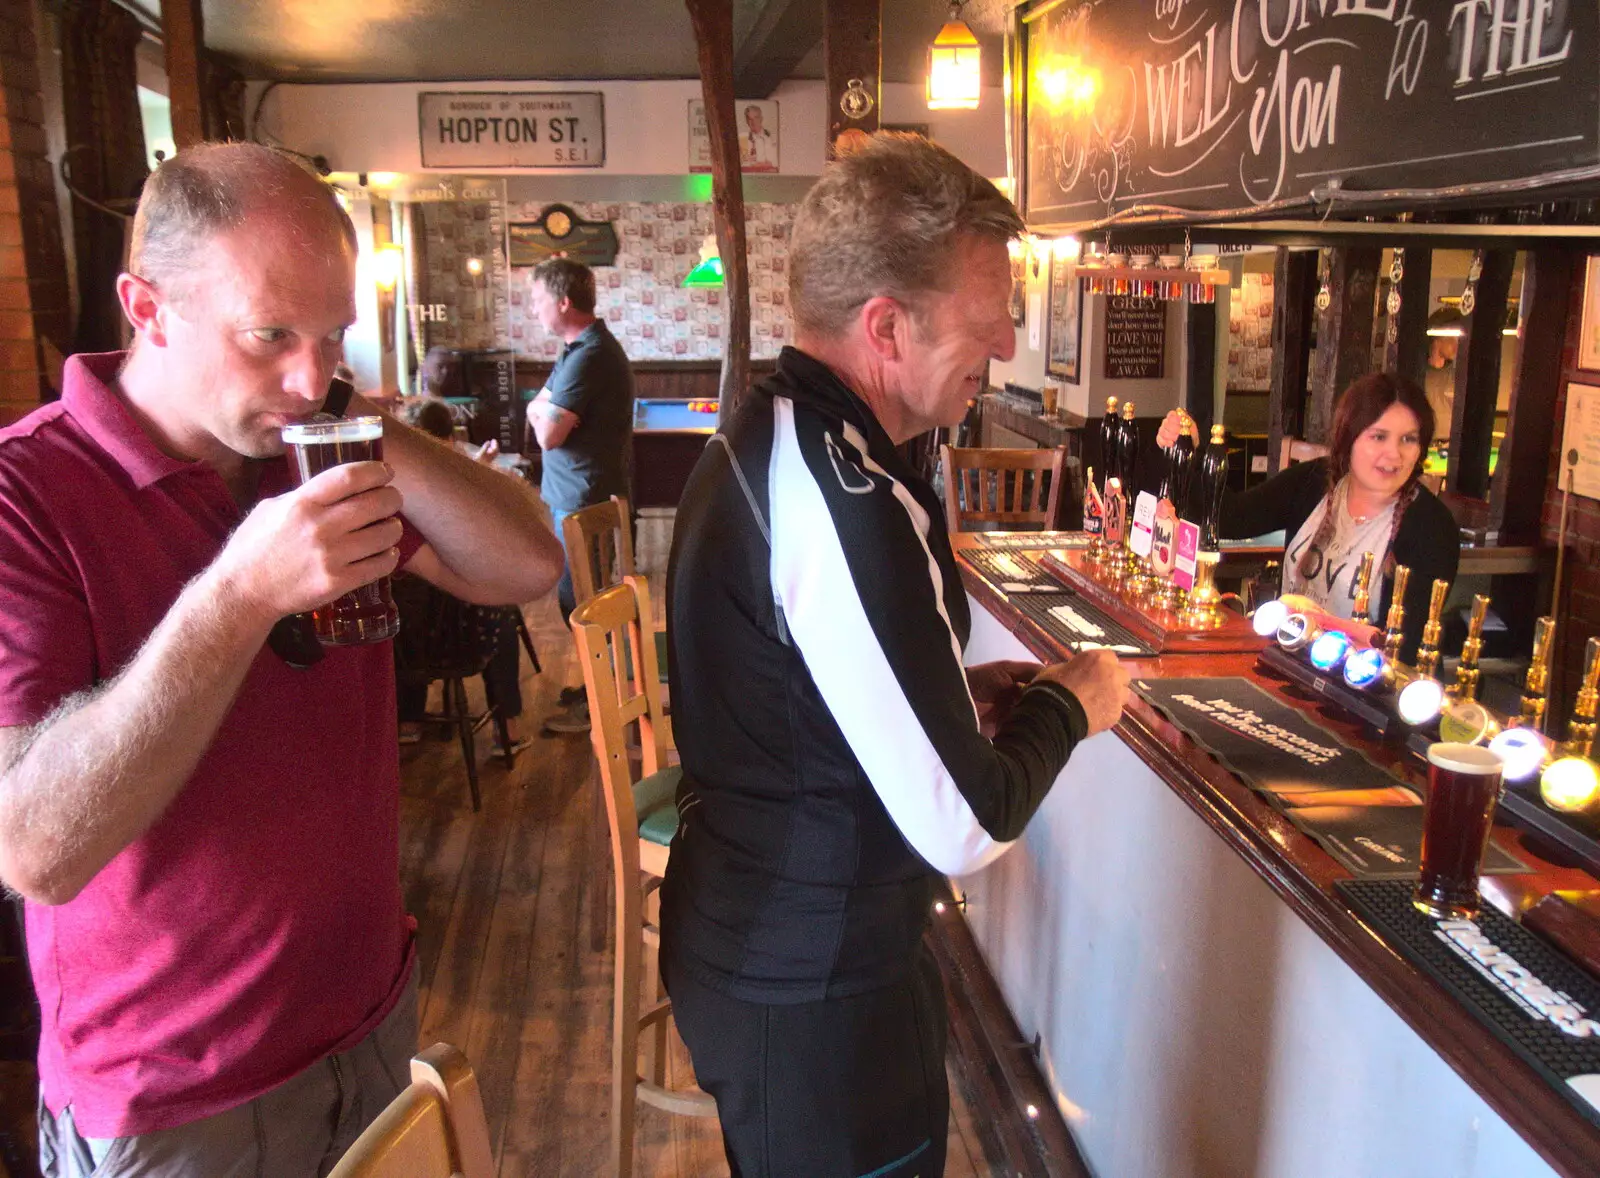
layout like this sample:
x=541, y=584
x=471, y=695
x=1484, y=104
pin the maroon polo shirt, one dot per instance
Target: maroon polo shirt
x=257, y=925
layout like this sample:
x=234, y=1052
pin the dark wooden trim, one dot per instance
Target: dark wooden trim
x=1302, y=875
x=1406, y=355
x=713, y=34
x=1478, y=379
x=781, y=35
x=995, y=1065
x=183, y=36
x=1294, y=292
x=1200, y=363
x=1516, y=494
x=1344, y=332
x=852, y=48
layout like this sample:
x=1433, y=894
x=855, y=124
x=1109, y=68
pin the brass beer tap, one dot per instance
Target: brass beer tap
x=1581, y=727
x=1428, y=651
x=1363, y=609
x=1396, y=621
x=1467, y=669
x=1538, y=678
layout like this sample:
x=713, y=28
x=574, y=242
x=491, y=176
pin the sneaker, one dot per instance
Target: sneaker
x=571, y=695
x=571, y=722
x=411, y=732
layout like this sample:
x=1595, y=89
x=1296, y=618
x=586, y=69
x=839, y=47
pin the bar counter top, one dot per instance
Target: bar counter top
x=1302, y=875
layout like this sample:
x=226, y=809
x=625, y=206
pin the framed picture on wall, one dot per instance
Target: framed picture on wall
x=1019, y=289
x=1589, y=330
x=1064, y=346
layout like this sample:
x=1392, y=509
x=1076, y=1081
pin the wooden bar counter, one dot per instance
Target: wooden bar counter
x=1205, y=1002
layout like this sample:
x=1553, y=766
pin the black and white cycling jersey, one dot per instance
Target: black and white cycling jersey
x=831, y=752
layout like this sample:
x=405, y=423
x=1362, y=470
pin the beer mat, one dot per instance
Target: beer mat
x=1381, y=842
x=1272, y=747
x=1013, y=571
x=1079, y=626
x=1536, y=1001
x=1031, y=541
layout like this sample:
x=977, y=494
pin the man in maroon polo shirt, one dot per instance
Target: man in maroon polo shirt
x=207, y=837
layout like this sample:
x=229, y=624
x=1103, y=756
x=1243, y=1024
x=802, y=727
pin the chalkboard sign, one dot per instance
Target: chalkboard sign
x=1212, y=105
x=1136, y=338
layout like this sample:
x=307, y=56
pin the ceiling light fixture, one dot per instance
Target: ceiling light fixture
x=954, y=80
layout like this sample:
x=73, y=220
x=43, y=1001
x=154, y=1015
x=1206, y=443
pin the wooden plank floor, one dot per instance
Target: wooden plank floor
x=503, y=901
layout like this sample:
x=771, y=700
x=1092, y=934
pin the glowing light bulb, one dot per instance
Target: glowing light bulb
x=1268, y=617
x=1571, y=785
x=1521, y=750
x=474, y=266
x=1328, y=651
x=1420, y=701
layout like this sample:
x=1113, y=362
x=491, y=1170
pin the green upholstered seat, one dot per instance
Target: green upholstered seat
x=655, y=799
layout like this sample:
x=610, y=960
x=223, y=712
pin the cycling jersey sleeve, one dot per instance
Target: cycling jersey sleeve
x=862, y=597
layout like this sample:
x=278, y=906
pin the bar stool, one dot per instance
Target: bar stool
x=994, y=486
x=619, y=674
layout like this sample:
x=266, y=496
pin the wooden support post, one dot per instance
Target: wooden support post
x=1406, y=354
x=852, y=52
x=1516, y=494
x=183, y=32
x=1294, y=290
x=1344, y=332
x=713, y=34
x=1200, y=364
x=1478, y=379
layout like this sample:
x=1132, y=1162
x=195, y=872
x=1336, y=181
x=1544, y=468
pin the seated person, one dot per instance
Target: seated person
x=502, y=677
x=1366, y=496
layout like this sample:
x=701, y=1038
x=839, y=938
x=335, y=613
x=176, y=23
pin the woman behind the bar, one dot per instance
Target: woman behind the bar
x=1365, y=496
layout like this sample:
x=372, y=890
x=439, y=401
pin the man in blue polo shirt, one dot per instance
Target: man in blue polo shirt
x=583, y=419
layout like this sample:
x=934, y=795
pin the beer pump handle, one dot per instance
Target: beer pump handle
x=1363, y=607
x=1428, y=651
x=1538, y=678
x=1213, y=485
x=1467, y=669
x=1581, y=728
x=1394, y=624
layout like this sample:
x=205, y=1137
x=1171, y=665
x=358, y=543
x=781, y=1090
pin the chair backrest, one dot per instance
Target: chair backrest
x=1002, y=486
x=436, y=1128
x=1294, y=450
x=599, y=541
x=442, y=636
x=617, y=649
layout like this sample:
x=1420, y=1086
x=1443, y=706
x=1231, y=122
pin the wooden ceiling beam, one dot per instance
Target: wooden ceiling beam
x=183, y=33
x=783, y=33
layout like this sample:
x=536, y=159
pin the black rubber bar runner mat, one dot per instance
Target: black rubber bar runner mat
x=1077, y=625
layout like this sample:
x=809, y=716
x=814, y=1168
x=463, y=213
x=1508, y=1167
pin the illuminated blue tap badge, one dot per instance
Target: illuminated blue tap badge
x=1328, y=651
x=1365, y=668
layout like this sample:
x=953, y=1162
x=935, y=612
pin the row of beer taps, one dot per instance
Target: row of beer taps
x=1569, y=778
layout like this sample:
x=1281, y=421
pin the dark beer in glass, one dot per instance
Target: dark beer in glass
x=367, y=614
x=1463, y=787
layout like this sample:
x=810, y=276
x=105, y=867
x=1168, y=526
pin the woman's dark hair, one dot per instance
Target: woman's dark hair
x=433, y=416
x=1366, y=400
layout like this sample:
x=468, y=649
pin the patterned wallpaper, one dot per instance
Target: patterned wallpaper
x=641, y=297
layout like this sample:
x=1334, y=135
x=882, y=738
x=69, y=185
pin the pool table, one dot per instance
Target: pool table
x=668, y=436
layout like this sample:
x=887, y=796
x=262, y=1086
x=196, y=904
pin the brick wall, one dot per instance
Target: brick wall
x=35, y=310
x=1580, y=613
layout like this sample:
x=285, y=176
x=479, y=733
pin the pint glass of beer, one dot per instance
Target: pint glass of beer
x=367, y=614
x=1463, y=786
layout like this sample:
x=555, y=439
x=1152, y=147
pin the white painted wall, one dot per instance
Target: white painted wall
x=372, y=127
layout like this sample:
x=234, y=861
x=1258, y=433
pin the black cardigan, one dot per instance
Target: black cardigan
x=1428, y=543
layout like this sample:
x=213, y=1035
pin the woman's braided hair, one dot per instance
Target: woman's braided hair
x=1361, y=404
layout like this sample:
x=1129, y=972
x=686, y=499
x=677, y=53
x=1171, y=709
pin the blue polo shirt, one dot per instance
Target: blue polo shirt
x=593, y=380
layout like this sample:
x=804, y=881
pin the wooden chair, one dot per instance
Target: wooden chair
x=434, y=1129
x=624, y=690
x=1294, y=450
x=1004, y=487
x=599, y=541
